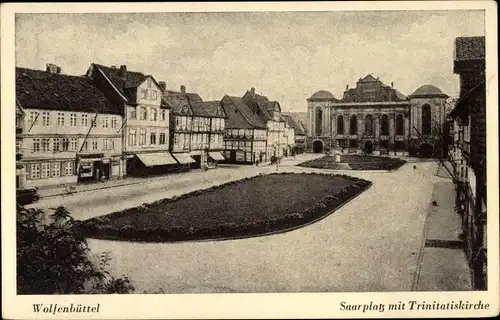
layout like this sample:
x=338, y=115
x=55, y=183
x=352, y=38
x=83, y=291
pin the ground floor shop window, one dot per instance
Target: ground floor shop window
x=399, y=145
x=353, y=144
x=240, y=156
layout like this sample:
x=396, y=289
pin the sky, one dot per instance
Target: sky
x=286, y=56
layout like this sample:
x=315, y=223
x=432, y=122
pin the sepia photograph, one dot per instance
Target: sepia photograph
x=171, y=152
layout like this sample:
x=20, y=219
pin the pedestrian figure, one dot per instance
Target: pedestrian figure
x=414, y=167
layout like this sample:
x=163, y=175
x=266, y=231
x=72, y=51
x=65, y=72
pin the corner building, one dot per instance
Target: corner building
x=375, y=118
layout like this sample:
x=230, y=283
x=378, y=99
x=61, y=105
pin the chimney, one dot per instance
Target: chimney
x=346, y=87
x=123, y=71
x=52, y=68
x=252, y=90
x=163, y=85
x=183, y=89
x=392, y=84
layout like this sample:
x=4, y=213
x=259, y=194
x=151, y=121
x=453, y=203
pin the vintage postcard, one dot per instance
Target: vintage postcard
x=249, y=160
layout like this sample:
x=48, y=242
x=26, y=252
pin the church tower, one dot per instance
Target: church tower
x=428, y=116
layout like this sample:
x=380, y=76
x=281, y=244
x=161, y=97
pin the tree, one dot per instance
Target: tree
x=53, y=258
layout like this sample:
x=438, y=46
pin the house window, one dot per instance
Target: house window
x=149, y=83
x=340, y=125
x=33, y=116
x=369, y=125
x=56, y=144
x=74, y=144
x=111, y=144
x=133, y=113
x=142, y=137
x=186, y=141
x=36, y=145
x=56, y=169
x=18, y=146
x=426, y=119
x=131, y=137
x=46, y=145
x=68, y=168
x=400, y=124
x=154, y=95
x=144, y=113
x=144, y=94
x=353, y=127
x=152, y=138
x=72, y=120
x=60, y=119
x=94, y=145
x=85, y=146
x=177, y=122
x=105, y=122
x=85, y=120
x=46, y=119
x=162, y=138
x=45, y=170
x=154, y=114
x=94, y=122
x=35, y=171
x=163, y=114
x=113, y=122
x=65, y=144
x=319, y=121
x=384, y=125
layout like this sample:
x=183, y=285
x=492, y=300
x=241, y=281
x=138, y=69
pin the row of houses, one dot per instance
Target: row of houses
x=468, y=153
x=113, y=122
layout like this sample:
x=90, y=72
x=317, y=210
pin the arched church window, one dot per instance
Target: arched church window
x=319, y=121
x=340, y=125
x=400, y=124
x=353, y=126
x=384, y=125
x=426, y=119
x=369, y=125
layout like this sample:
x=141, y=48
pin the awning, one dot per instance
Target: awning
x=183, y=158
x=217, y=156
x=156, y=159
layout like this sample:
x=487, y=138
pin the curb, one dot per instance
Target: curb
x=270, y=233
x=425, y=231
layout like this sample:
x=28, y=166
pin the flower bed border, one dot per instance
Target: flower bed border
x=393, y=165
x=288, y=222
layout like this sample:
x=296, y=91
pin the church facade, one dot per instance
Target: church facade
x=375, y=118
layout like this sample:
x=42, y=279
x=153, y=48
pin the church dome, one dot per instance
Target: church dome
x=322, y=95
x=428, y=90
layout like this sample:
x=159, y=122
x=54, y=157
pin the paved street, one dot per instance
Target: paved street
x=370, y=244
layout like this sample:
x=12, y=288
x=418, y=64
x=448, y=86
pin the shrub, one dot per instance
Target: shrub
x=53, y=258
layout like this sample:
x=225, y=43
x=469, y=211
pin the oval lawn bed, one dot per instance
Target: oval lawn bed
x=355, y=162
x=249, y=207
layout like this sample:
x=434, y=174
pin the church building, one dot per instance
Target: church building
x=374, y=118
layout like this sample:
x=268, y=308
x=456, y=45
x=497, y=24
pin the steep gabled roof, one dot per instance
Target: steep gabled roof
x=133, y=79
x=258, y=102
x=469, y=48
x=291, y=122
x=197, y=105
x=178, y=103
x=53, y=91
x=240, y=115
x=211, y=108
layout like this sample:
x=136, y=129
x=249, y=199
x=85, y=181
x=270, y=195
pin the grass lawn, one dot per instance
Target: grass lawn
x=356, y=162
x=250, y=206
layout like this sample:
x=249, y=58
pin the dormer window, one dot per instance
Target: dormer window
x=149, y=83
